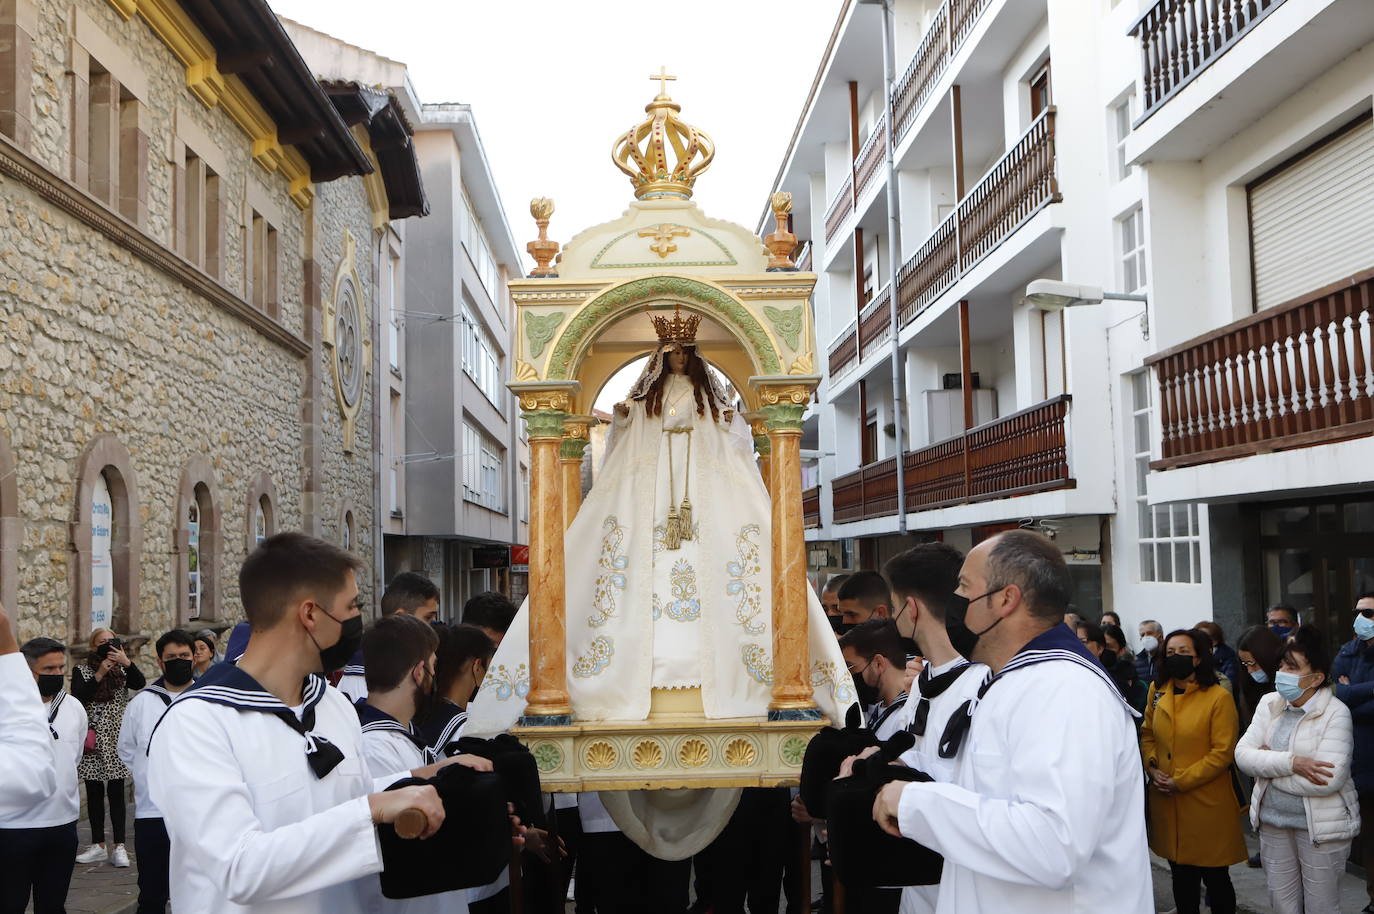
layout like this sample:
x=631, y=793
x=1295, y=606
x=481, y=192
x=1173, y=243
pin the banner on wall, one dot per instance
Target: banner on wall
x=102, y=568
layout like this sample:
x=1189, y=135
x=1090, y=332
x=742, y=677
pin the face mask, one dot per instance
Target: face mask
x=1286, y=684
x=1259, y=676
x=1178, y=666
x=835, y=623
x=841, y=628
x=1283, y=631
x=962, y=638
x=49, y=684
x=1364, y=628
x=1108, y=659
x=1149, y=644
x=177, y=671
x=868, y=695
x=337, y=655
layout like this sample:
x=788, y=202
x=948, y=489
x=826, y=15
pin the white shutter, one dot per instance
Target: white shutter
x=1313, y=223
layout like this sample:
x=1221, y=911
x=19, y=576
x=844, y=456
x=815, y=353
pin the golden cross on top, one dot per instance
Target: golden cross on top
x=662, y=77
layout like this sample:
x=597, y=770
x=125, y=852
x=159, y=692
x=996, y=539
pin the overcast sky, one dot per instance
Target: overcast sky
x=553, y=83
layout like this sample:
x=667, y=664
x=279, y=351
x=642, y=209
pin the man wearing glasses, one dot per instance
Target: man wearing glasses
x=1353, y=671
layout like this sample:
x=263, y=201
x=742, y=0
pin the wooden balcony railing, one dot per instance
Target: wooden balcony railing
x=872, y=155
x=1297, y=374
x=811, y=507
x=1021, y=182
x=840, y=208
x=926, y=67
x=1019, y=454
x=1016, y=188
x=930, y=271
x=844, y=353
x=875, y=323
x=1181, y=38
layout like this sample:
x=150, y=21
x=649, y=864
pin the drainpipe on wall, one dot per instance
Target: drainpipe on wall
x=380, y=387
x=893, y=258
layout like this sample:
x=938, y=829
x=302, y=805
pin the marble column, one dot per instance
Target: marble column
x=792, y=694
x=758, y=426
x=576, y=431
x=544, y=412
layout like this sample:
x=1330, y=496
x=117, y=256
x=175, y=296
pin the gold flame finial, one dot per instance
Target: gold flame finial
x=664, y=154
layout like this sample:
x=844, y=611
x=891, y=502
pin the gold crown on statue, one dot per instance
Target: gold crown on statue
x=674, y=154
x=677, y=329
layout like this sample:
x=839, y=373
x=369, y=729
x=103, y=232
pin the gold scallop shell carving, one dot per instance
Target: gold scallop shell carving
x=693, y=753
x=740, y=753
x=647, y=754
x=601, y=755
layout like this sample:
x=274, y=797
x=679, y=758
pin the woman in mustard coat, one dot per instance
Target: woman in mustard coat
x=1188, y=742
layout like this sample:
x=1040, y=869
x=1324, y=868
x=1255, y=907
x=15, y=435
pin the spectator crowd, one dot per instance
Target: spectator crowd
x=946, y=790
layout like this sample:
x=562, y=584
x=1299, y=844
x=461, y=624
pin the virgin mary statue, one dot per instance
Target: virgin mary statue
x=669, y=584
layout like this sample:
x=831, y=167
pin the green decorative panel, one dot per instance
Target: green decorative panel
x=792, y=750
x=539, y=329
x=609, y=304
x=788, y=323
x=547, y=756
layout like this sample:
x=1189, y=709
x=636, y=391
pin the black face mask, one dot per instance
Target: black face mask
x=841, y=628
x=49, y=684
x=867, y=694
x=961, y=637
x=177, y=671
x=424, y=697
x=1178, y=666
x=1108, y=659
x=336, y=656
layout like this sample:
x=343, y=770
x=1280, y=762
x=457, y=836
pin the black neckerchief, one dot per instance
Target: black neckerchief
x=929, y=687
x=1056, y=644
x=226, y=684
x=54, y=704
x=885, y=713
x=375, y=720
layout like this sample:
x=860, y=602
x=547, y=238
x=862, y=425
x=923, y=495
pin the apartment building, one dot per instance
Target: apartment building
x=1196, y=452
x=453, y=475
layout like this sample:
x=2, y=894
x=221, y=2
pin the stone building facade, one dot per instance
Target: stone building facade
x=187, y=304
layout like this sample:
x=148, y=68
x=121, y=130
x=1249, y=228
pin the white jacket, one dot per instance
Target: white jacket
x=1323, y=733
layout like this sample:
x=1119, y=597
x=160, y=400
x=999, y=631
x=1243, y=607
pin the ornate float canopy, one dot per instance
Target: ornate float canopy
x=584, y=317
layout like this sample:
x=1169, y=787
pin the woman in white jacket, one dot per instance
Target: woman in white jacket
x=1298, y=749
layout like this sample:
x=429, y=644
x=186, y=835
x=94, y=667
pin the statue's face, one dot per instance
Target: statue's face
x=677, y=360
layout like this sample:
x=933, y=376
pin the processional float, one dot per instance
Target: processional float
x=580, y=320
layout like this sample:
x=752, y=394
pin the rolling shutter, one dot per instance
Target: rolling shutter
x=1312, y=223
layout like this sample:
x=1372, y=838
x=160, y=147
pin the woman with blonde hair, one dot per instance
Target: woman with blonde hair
x=102, y=683
x=1305, y=807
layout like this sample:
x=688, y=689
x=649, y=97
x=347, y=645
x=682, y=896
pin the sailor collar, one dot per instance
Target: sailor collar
x=1057, y=644
x=375, y=720
x=881, y=715
x=226, y=684
x=929, y=687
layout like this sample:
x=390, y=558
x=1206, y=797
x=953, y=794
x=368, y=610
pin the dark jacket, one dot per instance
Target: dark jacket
x=1226, y=660
x=1145, y=666
x=1356, y=662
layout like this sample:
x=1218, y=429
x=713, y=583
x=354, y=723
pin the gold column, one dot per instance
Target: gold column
x=783, y=408
x=576, y=432
x=758, y=426
x=544, y=414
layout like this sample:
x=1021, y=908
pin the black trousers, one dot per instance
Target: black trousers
x=743, y=867
x=153, y=850
x=615, y=877
x=36, y=861
x=1188, y=882
x=496, y=904
x=96, y=791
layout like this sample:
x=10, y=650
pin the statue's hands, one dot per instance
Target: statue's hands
x=622, y=409
x=729, y=416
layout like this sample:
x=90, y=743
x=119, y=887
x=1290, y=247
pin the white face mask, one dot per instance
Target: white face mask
x=1149, y=644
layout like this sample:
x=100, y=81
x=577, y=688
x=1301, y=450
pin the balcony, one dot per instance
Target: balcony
x=811, y=508
x=840, y=208
x=875, y=323
x=1016, y=188
x=1291, y=376
x=948, y=31
x=845, y=353
x=1019, y=454
x=872, y=155
x=1181, y=38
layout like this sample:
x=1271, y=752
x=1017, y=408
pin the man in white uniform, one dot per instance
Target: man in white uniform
x=277, y=754
x=874, y=657
x=1045, y=815
x=408, y=593
x=26, y=751
x=174, y=657
x=38, y=843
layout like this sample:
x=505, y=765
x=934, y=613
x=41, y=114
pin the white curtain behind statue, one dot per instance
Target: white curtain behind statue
x=640, y=615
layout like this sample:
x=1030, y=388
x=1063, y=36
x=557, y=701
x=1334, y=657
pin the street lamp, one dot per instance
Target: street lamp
x=1054, y=295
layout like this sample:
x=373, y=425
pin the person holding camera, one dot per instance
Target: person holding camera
x=102, y=683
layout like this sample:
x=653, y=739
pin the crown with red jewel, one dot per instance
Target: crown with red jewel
x=678, y=329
